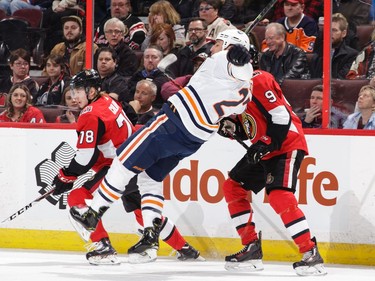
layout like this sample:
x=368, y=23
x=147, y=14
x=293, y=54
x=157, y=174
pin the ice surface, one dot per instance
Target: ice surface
x=26, y=265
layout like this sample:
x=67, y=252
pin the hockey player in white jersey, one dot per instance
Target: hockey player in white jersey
x=220, y=87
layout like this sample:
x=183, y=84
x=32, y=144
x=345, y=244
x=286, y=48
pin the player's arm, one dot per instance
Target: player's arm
x=89, y=135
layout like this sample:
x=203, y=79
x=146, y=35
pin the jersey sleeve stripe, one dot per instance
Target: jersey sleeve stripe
x=196, y=108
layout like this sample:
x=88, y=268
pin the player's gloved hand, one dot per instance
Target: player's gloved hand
x=259, y=149
x=63, y=182
x=227, y=127
x=238, y=55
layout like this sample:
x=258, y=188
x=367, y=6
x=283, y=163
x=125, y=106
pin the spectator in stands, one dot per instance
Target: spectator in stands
x=313, y=9
x=73, y=49
x=343, y=55
x=151, y=57
x=127, y=62
x=52, y=20
x=70, y=115
x=112, y=82
x=50, y=92
x=209, y=11
x=5, y=6
x=363, y=67
x=162, y=35
x=198, y=43
x=19, y=108
x=301, y=29
x=144, y=96
x=364, y=118
x=15, y=5
x=282, y=59
x=246, y=11
x=356, y=12
x=135, y=31
x=313, y=114
x=19, y=62
x=163, y=12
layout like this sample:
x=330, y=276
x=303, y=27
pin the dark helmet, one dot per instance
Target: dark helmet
x=254, y=56
x=86, y=79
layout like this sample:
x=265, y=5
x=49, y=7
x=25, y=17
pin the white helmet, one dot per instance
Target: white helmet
x=233, y=36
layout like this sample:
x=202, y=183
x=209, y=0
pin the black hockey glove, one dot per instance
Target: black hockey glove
x=63, y=182
x=229, y=127
x=238, y=55
x=259, y=149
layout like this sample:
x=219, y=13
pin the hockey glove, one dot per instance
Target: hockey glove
x=259, y=149
x=238, y=55
x=230, y=127
x=63, y=182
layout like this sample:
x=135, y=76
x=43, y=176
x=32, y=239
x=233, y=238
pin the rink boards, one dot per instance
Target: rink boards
x=336, y=192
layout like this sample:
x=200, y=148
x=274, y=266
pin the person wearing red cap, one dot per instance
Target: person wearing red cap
x=313, y=9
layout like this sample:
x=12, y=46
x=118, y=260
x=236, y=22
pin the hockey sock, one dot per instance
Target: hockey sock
x=170, y=234
x=240, y=210
x=285, y=204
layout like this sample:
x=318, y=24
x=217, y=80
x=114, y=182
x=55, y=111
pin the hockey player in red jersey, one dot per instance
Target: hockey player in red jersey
x=101, y=127
x=272, y=161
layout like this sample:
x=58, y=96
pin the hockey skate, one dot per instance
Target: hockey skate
x=87, y=217
x=248, y=259
x=145, y=250
x=102, y=253
x=311, y=263
x=188, y=252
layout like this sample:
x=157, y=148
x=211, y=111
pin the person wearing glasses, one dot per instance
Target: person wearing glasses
x=127, y=62
x=197, y=43
x=73, y=49
x=19, y=63
x=135, y=31
x=209, y=11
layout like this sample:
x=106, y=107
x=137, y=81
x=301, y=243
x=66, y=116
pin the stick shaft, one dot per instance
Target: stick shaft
x=28, y=206
x=260, y=16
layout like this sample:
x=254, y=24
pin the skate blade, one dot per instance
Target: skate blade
x=199, y=259
x=315, y=270
x=83, y=232
x=106, y=260
x=150, y=255
x=250, y=265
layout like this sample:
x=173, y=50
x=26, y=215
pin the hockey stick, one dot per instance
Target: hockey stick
x=260, y=16
x=237, y=138
x=28, y=206
x=164, y=63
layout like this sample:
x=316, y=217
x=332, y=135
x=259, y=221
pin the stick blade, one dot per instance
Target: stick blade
x=166, y=61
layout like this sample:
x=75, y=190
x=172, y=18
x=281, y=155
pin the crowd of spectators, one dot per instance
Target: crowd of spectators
x=131, y=37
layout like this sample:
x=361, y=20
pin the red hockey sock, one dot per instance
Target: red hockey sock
x=170, y=234
x=285, y=204
x=240, y=210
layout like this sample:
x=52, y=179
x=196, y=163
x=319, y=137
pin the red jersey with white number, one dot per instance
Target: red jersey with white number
x=31, y=115
x=101, y=127
x=270, y=114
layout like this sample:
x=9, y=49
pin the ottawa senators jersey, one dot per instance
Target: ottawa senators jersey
x=270, y=114
x=101, y=127
x=31, y=115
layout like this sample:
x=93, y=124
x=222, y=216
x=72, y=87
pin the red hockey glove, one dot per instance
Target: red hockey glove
x=63, y=182
x=259, y=149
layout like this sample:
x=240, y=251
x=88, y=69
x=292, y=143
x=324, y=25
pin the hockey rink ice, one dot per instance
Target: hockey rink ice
x=26, y=265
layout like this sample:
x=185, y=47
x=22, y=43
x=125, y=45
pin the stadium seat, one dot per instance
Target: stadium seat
x=298, y=91
x=347, y=91
x=364, y=33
